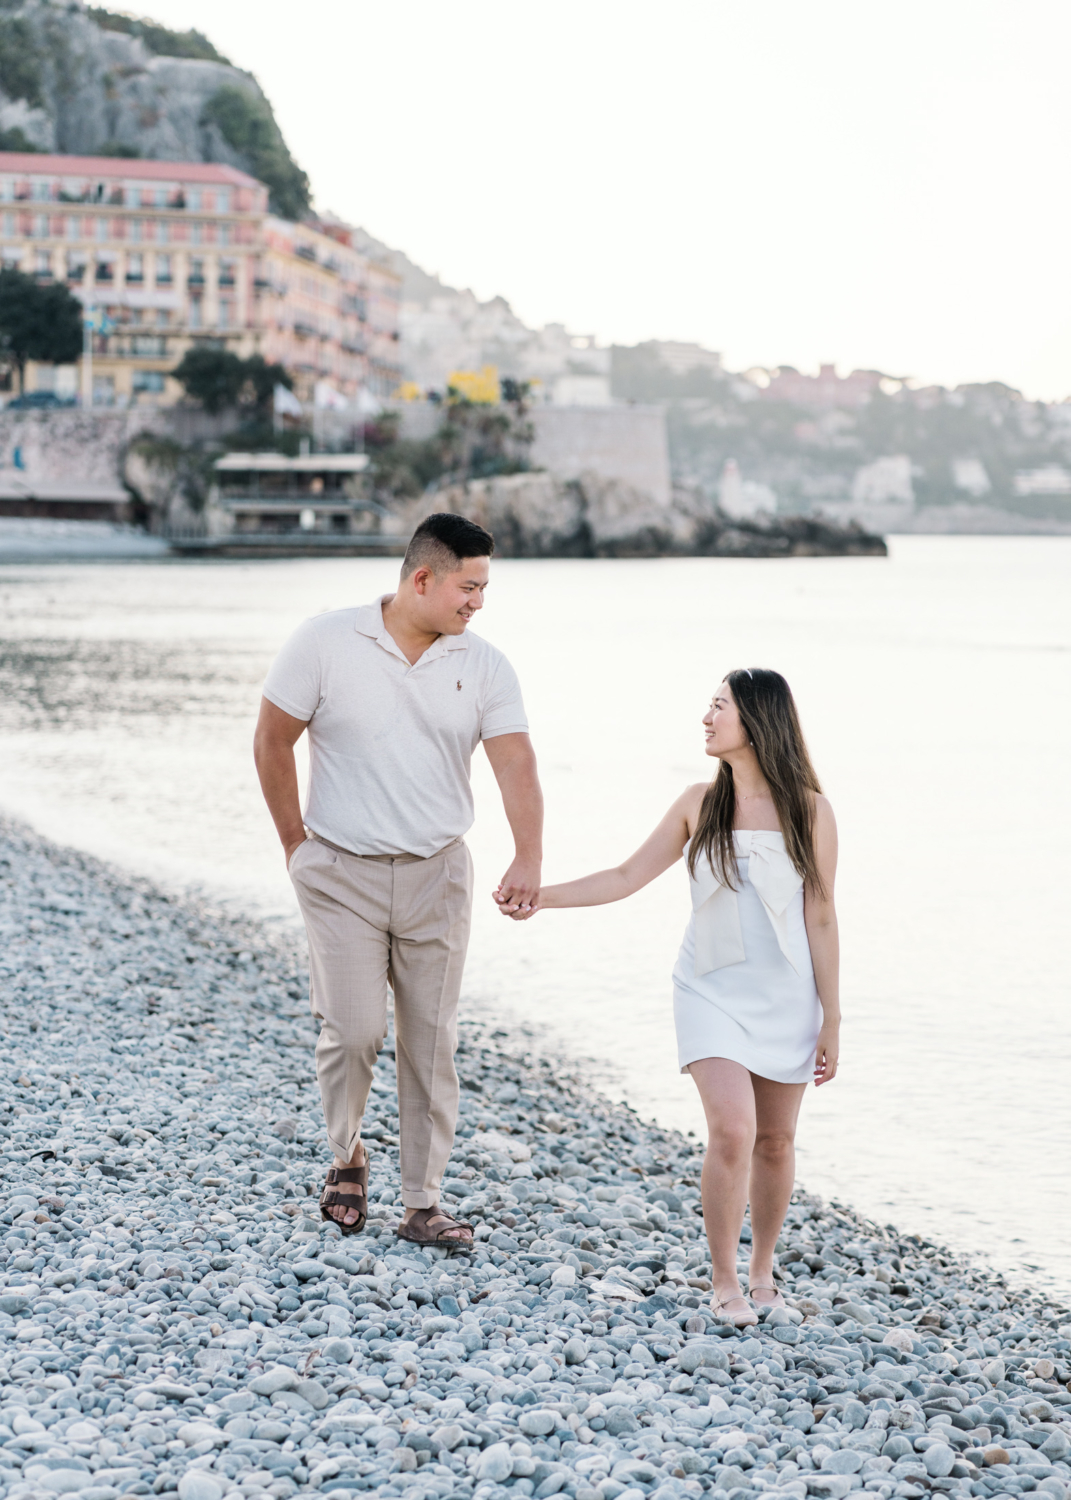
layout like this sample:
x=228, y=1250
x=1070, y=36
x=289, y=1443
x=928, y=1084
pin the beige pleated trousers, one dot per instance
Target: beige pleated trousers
x=374, y=921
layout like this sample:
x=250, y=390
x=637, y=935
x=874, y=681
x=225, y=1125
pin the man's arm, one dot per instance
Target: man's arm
x=273, y=752
x=514, y=764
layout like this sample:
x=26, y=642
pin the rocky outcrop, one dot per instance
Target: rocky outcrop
x=536, y=515
x=72, y=82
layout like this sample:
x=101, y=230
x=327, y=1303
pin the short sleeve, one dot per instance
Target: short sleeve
x=293, y=680
x=503, y=709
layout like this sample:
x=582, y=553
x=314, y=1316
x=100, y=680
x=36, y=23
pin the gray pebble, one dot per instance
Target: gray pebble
x=183, y=1315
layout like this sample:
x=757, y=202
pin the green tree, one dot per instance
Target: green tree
x=15, y=139
x=159, y=39
x=37, y=322
x=20, y=61
x=220, y=379
x=248, y=126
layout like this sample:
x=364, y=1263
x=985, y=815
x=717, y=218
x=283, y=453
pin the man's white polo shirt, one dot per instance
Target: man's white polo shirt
x=391, y=744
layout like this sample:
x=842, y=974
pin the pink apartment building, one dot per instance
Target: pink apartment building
x=166, y=254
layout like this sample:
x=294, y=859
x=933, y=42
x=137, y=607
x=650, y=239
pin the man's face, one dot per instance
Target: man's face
x=449, y=600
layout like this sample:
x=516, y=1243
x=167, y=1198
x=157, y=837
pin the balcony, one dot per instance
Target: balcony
x=226, y=281
x=164, y=279
x=104, y=276
x=195, y=283
x=307, y=252
x=76, y=273
x=134, y=278
x=304, y=331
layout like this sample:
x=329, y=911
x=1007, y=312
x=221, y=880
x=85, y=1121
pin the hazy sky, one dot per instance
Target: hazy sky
x=873, y=184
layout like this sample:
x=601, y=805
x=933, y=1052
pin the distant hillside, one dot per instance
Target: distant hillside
x=88, y=81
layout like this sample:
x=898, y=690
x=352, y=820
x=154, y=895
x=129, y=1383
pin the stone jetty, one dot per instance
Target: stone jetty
x=175, y=1317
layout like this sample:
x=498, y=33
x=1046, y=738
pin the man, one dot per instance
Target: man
x=395, y=697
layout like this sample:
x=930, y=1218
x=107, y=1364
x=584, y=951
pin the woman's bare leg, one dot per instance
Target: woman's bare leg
x=729, y=1103
x=773, y=1172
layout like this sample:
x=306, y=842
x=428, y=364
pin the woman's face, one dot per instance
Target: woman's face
x=724, y=731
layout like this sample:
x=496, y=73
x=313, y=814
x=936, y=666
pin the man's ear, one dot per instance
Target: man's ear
x=422, y=578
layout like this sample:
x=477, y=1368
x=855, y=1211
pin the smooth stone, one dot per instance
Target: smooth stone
x=537, y=1423
x=196, y=1484
x=63, y=1481
x=280, y=1378
x=843, y=1461
x=938, y=1460
x=338, y=1350
x=495, y=1463
x=694, y=1356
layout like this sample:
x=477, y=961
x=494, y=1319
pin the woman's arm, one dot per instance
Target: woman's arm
x=664, y=847
x=820, y=916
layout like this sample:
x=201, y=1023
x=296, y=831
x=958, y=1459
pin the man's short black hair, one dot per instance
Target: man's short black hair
x=442, y=542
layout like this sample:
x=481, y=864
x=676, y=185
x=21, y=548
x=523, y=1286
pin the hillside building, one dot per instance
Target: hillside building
x=166, y=254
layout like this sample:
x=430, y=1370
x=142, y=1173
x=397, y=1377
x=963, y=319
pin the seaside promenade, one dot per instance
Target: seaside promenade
x=175, y=1316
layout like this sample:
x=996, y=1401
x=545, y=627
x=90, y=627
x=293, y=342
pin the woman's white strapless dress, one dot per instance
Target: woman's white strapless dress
x=743, y=985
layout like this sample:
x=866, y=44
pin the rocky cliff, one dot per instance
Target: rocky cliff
x=87, y=81
x=536, y=515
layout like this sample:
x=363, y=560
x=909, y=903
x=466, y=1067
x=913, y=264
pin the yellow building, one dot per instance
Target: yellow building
x=166, y=254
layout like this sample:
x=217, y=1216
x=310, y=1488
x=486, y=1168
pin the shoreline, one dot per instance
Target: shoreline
x=174, y=1315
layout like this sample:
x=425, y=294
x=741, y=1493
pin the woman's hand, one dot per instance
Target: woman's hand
x=827, y=1053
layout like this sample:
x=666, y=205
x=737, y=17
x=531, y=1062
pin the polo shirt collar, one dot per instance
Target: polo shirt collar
x=369, y=621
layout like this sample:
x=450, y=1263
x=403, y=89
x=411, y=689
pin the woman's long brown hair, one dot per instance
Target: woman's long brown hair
x=768, y=714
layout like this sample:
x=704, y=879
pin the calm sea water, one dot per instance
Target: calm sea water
x=934, y=688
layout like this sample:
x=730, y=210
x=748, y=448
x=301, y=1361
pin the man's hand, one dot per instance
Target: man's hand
x=513, y=762
x=518, y=889
x=288, y=849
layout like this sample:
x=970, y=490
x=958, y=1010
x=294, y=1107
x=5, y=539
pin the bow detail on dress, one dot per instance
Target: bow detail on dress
x=718, y=938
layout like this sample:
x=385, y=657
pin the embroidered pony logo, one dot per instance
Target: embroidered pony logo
x=459, y=685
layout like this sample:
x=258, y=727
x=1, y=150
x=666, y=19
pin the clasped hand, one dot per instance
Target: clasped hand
x=513, y=905
x=517, y=895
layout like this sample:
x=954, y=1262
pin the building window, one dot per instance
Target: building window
x=193, y=200
x=224, y=234
x=135, y=268
x=196, y=233
x=100, y=229
x=105, y=268
x=136, y=230
x=76, y=265
x=40, y=226
x=42, y=192
x=73, y=229
x=42, y=264
x=195, y=313
x=223, y=200
x=103, y=390
x=9, y=225
x=227, y=272
x=226, y=313
x=163, y=270
x=197, y=272
x=163, y=317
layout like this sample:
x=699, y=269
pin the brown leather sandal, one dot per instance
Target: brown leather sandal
x=331, y=1198
x=424, y=1218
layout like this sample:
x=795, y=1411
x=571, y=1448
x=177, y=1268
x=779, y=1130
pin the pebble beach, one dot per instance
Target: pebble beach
x=174, y=1316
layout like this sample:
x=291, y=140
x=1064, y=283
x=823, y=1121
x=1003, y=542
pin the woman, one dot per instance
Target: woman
x=756, y=983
